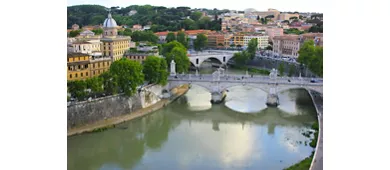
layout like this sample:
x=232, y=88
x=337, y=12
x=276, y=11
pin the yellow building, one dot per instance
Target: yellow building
x=113, y=46
x=78, y=66
x=100, y=65
x=238, y=39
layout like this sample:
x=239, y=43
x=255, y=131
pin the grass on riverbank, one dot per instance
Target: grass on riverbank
x=251, y=70
x=305, y=164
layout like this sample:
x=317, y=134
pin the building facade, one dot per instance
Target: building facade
x=113, y=46
x=262, y=40
x=99, y=65
x=78, y=66
x=86, y=47
x=287, y=45
x=273, y=31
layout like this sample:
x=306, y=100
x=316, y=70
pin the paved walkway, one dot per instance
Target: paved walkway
x=317, y=163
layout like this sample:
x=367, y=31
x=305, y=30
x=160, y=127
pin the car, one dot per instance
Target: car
x=313, y=81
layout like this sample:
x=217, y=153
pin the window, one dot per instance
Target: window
x=86, y=74
x=94, y=72
x=76, y=75
x=70, y=76
x=79, y=66
x=68, y=67
x=81, y=74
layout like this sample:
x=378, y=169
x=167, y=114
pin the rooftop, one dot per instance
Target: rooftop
x=77, y=55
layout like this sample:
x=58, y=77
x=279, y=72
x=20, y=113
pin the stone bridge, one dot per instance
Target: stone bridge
x=218, y=82
x=199, y=57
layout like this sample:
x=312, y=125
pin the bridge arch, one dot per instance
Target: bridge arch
x=262, y=87
x=197, y=60
x=307, y=88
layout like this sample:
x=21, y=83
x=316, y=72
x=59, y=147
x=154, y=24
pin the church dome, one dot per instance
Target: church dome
x=109, y=22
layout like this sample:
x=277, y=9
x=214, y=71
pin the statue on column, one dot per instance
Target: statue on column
x=173, y=68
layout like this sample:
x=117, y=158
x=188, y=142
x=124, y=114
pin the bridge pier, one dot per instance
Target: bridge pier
x=218, y=97
x=272, y=100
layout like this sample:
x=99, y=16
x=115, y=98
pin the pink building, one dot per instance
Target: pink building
x=272, y=32
x=287, y=45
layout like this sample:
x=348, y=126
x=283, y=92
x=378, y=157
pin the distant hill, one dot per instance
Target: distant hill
x=160, y=18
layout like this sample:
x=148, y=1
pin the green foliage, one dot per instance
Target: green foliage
x=312, y=57
x=291, y=70
x=77, y=89
x=95, y=84
x=160, y=18
x=179, y=54
x=293, y=31
x=144, y=36
x=241, y=57
x=196, y=15
x=316, y=29
x=182, y=38
x=155, y=70
x=127, y=74
x=252, y=46
x=167, y=48
x=200, y=42
x=127, y=32
x=74, y=33
x=264, y=21
x=281, y=69
x=98, y=31
x=109, y=85
x=171, y=37
x=303, y=165
x=269, y=48
x=293, y=18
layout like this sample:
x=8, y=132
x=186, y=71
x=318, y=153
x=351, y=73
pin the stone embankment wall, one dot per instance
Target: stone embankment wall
x=87, y=112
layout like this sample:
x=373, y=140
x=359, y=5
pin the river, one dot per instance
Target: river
x=190, y=133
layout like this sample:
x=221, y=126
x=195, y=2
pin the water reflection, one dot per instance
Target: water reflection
x=214, y=137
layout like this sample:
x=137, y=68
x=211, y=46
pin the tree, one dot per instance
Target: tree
x=241, y=57
x=269, y=48
x=98, y=31
x=95, y=84
x=155, y=70
x=252, y=46
x=127, y=74
x=127, y=32
x=258, y=18
x=312, y=57
x=144, y=36
x=293, y=18
x=182, y=38
x=77, y=89
x=239, y=46
x=220, y=44
x=291, y=70
x=74, y=33
x=200, y=42
x=281, y=69
x=168, y=47
x=196, y=15
x=232, y=45
x=179, y=54
x=171, y=37
x=109, y=85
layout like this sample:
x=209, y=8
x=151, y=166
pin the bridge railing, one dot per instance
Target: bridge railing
x=244, y=79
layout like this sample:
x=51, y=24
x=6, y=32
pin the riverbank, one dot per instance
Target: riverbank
x=315, y=160
x=111, y=122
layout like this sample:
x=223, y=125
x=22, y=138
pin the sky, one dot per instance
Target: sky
x=259, y=5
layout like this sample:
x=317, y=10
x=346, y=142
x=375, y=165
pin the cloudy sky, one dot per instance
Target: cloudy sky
x=260, y=5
